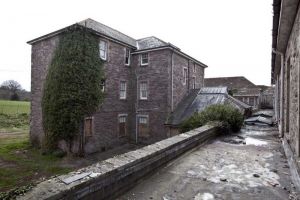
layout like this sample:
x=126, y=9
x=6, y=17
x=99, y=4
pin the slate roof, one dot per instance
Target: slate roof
x=150, y=42
x=234, y=82
x=248, y=92
x=200, y=99
x=108, y=31
x=147, y=43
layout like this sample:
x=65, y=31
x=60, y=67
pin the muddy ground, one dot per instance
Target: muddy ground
x=248, y=165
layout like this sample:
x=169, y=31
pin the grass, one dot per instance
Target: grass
x=14, y=107
x=21, y=164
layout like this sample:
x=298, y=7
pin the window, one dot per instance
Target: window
x=88, y=127
x=103, y=50
x=123, y=90
x=194, y=68
x=122, y=125
x=102, y=85
x=143, y=90
x=194, y=83
x=143, y=127
x=185, y=76
x=144, y=59
x=127, y=56
x=143, y=120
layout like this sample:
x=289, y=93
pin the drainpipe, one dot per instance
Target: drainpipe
x=136, y=107
x=281, y=117
x=172, y=92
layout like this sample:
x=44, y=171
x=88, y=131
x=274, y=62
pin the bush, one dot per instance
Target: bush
x=72, y=88
x=231, y=119
x=14, y=120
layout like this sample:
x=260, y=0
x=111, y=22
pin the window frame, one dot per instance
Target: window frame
x=194, y=82
x=92, y=126
x=143, y=116
x=141, y=97
x=129, y=55
x=105, y=50
x=123, y=90
x=141, y=57
x=185, y=75
x=119, y=121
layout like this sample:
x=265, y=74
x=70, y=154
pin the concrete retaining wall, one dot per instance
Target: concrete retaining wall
x=110, y=178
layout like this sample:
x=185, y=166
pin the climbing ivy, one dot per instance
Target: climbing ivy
x=72, y=88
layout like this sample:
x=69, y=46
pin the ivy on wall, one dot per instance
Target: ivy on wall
x=72, y=88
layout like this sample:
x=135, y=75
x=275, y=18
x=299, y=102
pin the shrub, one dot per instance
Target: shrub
x=72, y=88
x=231, y=119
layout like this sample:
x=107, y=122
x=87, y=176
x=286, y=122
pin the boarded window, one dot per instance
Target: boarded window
x=103, y=50
x=88, y=127
x=122, y=125
x=143, y=90
x=123, y=88
x=143, y=126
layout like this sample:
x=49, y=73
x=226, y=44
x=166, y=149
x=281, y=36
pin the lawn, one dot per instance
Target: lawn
x=14, y=107
x=21, y=164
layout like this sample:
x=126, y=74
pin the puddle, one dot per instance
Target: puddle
x=256, y=142
x=205, y=196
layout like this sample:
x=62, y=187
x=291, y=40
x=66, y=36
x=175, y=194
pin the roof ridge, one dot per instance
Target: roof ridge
x=106, y=26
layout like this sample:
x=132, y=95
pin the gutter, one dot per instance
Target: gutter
x=172, y=48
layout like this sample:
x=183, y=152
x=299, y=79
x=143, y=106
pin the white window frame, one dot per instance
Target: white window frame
x=127, y=50
x=122, y=116
x=185, y=75
x=123, y=91
x=142, y=63
x=145, y=117
x=141, y=90
x=105, y=50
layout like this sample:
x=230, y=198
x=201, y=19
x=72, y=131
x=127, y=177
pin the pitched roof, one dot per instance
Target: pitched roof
x=150, y=42
x=256, y=91
x=147, y=44
x=234, y=82
x=200, y=99
x=108, y=31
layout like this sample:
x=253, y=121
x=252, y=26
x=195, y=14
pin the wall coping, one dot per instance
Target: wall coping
x=118, y=167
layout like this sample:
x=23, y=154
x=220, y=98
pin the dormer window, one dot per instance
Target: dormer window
x=144, y=59
x=103, y=49
x=127, y=56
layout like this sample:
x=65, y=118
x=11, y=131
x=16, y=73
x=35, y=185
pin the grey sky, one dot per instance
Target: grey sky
x=232, y=37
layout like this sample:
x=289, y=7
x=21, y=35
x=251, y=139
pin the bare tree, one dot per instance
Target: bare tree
x=11, y=85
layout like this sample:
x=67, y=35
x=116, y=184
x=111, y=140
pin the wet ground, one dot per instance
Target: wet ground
x=249, y=165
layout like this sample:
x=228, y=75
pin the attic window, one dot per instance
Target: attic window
x=144, y=59
x=103, y=49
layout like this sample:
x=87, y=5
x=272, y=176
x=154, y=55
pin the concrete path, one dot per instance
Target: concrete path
x=250, y=165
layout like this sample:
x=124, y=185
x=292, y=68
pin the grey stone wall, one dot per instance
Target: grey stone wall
x=110, y=178
x=292, y=61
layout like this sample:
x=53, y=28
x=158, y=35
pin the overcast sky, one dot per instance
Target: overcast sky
x=232, y=37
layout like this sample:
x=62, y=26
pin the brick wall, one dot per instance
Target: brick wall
x=41, y=56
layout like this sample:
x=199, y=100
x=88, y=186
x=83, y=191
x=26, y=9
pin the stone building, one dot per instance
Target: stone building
x=239, y=87
x=145, y=80
x=285, y=70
